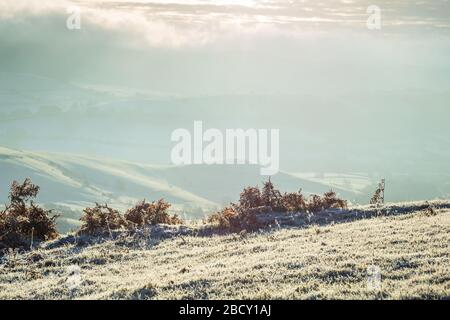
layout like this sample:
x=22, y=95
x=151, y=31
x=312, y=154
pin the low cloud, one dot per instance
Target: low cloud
x=181, y=23
x=215, y=47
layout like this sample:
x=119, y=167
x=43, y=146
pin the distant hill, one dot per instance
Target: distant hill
x=70, y=183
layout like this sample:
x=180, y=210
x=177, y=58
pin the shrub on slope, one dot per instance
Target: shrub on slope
x=102, y=219
x=23, y=222
x=252, y=201
x=145, y=213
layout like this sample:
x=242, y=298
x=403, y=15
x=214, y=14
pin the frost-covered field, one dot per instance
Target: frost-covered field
x=410, y=248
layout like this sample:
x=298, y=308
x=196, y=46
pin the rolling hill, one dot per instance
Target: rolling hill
x=70, y=183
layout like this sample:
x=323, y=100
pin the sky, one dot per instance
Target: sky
x=311, y=68
x=212, y=47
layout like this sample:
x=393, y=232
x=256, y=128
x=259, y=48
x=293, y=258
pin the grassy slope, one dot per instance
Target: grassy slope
x=317, y=262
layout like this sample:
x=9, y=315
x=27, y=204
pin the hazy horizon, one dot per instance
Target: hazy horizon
x=347, y=100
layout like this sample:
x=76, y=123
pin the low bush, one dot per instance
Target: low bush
x=378, y=196
x=224, y=218
x=271, y=197
x=294, y=202
x=329, y=201
x=23, y=222
x=145, y=213
x=250, y=197
x=101, y=219
x=235, y=219
x=244, y=214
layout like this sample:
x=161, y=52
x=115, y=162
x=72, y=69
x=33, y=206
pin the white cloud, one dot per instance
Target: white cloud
x=177, y=23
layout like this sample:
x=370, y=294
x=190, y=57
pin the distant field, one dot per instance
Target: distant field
x=326, y=262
